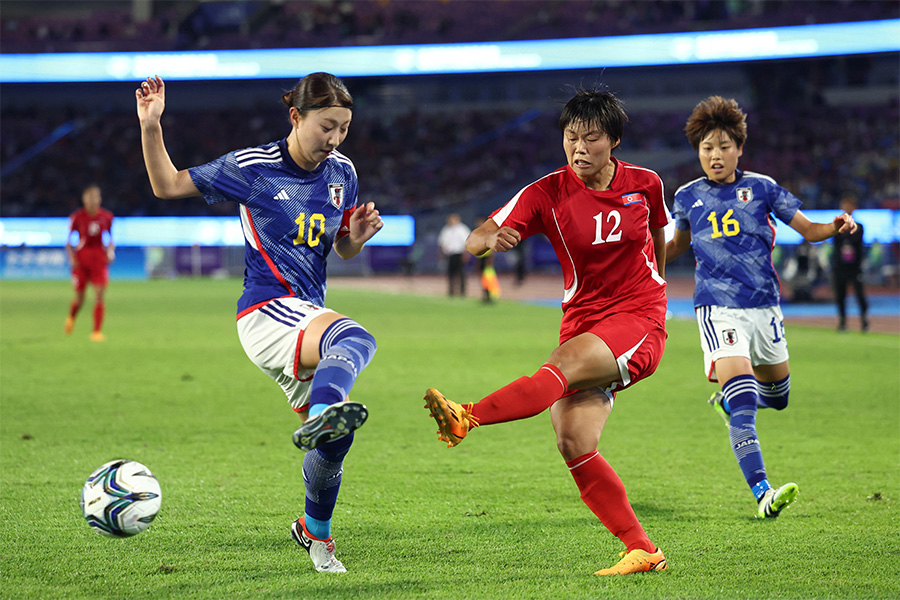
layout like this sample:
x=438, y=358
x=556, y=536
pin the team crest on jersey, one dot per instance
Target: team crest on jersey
x=729, y=336
x=336, y=193
x=745, y=194
x=633, y=198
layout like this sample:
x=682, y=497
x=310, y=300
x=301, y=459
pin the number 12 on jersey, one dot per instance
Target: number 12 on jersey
x=614, y=234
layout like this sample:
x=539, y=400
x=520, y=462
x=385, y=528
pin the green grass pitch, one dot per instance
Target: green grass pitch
x=497, y=517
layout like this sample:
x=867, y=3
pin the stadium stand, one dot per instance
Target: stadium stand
x=126, y=25
x=425, y=145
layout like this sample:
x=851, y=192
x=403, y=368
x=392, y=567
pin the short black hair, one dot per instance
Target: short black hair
x=597, y=108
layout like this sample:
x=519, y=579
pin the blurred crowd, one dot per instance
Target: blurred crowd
x=414, y=162
x=166, y=25
x=465, y=156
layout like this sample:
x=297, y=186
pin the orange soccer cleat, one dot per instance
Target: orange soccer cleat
x=454, y=420
x=636, y=561
x=69, y=326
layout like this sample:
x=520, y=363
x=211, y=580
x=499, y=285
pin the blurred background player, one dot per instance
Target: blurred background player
x=452, y=244
x=298, y=200
x=726, y=216
x=604, y=218
x=490, y=283
x=847, y=267
x=91, y=257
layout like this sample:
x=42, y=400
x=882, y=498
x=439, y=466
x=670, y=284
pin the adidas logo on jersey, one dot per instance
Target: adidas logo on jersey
x=282, y=195
x=698, y=203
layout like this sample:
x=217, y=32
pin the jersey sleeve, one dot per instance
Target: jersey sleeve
x=783, y=203
x=659, y=212
x=522, y=212
x=351, y=201
x=221, y=180
x=679, y=212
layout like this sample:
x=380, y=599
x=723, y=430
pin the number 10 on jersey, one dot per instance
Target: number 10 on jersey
x=313, y=230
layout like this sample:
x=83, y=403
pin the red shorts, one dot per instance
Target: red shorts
x=93, y=268
x=636, y=342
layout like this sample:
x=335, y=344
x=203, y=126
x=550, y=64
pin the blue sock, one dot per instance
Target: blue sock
x=345, y=350
x=741, y=393
x=774, y=394
x=323, y=468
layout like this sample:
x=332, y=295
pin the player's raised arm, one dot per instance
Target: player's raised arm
x=166, y=180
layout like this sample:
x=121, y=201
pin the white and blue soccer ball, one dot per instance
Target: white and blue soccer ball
x=121, y=498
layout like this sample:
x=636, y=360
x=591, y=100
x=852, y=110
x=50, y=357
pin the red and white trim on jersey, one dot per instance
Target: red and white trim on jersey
x=253, y=239
x=297, y=368
x=569, y=292
x=504, y=212
x=653, y=272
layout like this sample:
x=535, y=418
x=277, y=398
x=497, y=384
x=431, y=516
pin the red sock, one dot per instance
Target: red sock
x=99, y=310
x=523, y=398
x=604, y=493
x=74, y=308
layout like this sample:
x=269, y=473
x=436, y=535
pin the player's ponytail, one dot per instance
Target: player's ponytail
x=316, y=91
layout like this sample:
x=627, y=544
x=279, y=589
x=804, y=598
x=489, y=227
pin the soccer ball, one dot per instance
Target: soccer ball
x=121, y=498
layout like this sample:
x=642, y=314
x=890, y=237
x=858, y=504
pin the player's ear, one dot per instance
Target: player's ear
x=295, y=115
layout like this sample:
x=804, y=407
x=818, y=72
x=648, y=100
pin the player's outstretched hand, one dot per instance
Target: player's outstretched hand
x=844, y=223
x=505, y=238
x=364, y=223
x=151, y=99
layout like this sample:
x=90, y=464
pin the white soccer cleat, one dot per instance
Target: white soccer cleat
x=321, y=552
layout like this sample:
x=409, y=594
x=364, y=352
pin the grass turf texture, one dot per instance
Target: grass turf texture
x=497, y=517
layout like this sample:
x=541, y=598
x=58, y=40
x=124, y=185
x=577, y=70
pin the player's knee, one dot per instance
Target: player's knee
x=351, y=336
x=572, y=446
x=774, y=394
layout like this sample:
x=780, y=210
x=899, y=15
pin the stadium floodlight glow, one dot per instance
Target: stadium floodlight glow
x=398, y=230
x=835, y=39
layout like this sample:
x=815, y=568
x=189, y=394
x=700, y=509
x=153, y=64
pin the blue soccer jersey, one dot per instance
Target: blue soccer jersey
x=290, y=217
x=732, y=234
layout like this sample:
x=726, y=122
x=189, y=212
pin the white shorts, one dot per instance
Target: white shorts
x=754, y=333
x=271, y=336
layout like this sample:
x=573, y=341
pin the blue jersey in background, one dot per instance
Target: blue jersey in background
x=732, y=234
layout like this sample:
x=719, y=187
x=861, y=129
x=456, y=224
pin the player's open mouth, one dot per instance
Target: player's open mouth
x=582, y=163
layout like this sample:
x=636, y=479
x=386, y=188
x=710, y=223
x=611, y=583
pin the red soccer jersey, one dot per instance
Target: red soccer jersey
x=90, y=228
x=601, y=238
